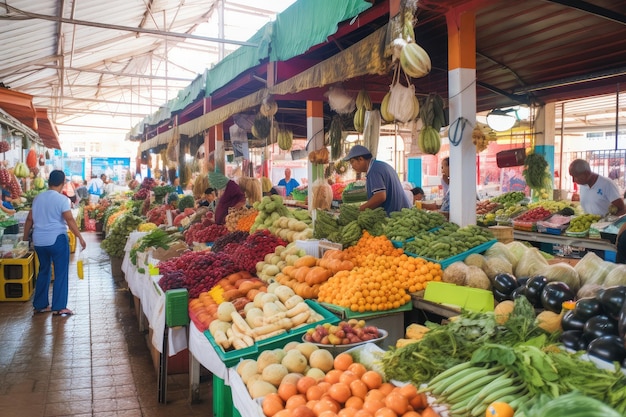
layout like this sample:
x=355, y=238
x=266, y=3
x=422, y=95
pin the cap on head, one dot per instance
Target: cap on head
x=356, y=151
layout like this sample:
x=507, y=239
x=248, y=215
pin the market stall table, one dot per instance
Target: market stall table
x=152, y=301
x=596, y=244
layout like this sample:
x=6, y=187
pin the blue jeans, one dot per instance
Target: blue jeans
x=59, y=254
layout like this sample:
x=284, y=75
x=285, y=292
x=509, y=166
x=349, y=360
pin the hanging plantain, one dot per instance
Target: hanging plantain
x=334, y=136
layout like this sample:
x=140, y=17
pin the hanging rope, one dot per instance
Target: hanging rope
x=455, y=132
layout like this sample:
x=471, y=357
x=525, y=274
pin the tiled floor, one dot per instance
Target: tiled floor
x=94, y=363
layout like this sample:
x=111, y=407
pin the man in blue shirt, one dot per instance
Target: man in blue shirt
x=288, y=182
x=384, y=188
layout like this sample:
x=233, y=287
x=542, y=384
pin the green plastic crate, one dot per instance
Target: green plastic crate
x=345, y=313
x=232, y=357
x=473, y=299
x=177, y=307
x=223, y=399
x=295, y=335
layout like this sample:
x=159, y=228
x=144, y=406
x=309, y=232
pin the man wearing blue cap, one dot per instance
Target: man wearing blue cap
x=384, y=188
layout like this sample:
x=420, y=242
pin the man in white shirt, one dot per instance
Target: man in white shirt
x=597, y=193
x=95, y=188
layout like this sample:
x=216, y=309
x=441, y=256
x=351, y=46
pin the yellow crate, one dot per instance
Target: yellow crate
x=17, y=269
x=16, y=290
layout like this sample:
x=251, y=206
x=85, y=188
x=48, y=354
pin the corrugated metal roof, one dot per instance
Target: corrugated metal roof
x=93, y=66
x=94, y=60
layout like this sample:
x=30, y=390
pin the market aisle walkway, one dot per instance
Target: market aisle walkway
x=94, y=363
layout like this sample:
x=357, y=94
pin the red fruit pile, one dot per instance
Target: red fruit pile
x=199, y=271
x=203, y=232
x=253, y=249
x=534, y=214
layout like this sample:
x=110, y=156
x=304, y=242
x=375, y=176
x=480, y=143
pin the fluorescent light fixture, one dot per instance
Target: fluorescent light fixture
x=500, y=120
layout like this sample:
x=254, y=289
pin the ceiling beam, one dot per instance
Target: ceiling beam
x=159, y=33
x=592, y=9
x=122, y=74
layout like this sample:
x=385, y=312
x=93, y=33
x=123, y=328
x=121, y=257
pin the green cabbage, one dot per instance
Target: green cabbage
x=518, y=250
x=501, y=250
x=616, y=277
x=533, y=263
x=563, y=272
x=592, y=269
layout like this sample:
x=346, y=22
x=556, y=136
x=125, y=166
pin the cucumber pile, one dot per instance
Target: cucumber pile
x=408, y=222
x=448, y=241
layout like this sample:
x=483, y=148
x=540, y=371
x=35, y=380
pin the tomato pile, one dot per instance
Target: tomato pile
x=533, y=215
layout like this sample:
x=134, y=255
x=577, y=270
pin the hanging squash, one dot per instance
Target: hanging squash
x=31, y=158
x=269, y=107
x=42, y=160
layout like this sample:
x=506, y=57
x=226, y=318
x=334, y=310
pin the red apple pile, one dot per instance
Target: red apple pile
x=344, y=333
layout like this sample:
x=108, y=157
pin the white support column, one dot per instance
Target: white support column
x=315, y=138
x=462, y=103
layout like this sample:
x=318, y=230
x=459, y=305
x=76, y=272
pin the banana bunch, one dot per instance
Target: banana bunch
x=481, y=136
x=363, y=104
x=468, y=389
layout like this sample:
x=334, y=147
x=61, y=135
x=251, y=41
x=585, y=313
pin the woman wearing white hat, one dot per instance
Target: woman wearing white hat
x=384, y=188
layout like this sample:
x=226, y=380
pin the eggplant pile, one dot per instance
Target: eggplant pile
x=538, y=290
x=598, y=325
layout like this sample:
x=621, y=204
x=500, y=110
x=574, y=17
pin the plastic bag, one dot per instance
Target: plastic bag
x=592, y=269
x=322, y=195
x=501, y=250
x=563, y=272
x=616, y=277
x=371, y=131
x=517, y=249
x=339, y=100
x=401, y=99
x=81, y=262
x=531, y=264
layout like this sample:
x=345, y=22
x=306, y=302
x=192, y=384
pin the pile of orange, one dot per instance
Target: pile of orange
x=370, y=245
x=245, y=223
x=380, y=283
x=348, y=390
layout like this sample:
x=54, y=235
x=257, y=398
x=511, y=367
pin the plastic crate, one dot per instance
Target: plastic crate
x=577, y=234
x=295, y=334
x=223, y=399
x=17, y=291
x=473, y=299
x=177, y=307
x=17, y=269
x=461, y=256
x=346, y=314
x=310, y=246
x=232, y=357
